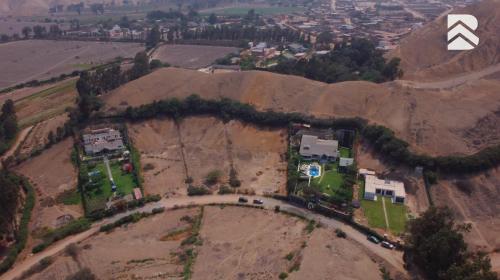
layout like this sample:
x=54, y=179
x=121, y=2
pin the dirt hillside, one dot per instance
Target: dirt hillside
x=433, y=61
x=40, y=7
x=422, y=117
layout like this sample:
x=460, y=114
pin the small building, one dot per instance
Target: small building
x=297, y=48
x=313, y=148
x=344, y=163
x=103, y=140
x=375, y=186
x=137, y=193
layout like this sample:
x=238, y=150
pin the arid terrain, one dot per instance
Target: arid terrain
x=236, y=243
x=23, y=61
x=199, y=145
x=38, y=135
x=36, y=7
x=433, y=62
x=422, y=117
x=191, y=56
x=51, y=173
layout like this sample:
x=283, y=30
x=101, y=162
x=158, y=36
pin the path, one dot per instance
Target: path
x=108, y=169
x=452, y=81
x=19, y=139
x=391, y=257
x=385, y=213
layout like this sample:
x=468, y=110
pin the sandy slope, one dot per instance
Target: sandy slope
x=422, y=117
x=433, y=61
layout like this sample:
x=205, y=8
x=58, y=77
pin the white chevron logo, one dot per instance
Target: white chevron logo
x=461, y=35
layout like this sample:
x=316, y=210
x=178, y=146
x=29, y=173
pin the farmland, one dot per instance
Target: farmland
x=191, y=56
x=28, y=60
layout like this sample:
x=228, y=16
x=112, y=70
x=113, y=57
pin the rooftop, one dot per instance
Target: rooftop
x=372, y=183
x=312, y=145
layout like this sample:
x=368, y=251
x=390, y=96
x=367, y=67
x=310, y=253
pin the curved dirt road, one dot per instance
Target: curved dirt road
x=392, y=257
x=19, y=139
x=453, y=81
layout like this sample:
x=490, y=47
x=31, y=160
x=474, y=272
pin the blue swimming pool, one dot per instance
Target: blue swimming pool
x=313, y=171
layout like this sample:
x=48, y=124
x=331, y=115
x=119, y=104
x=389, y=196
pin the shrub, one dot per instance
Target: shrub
x=233, y=178
x=73, y=227
x=193, y=191
x=283, y=275
x=72, y=250
x=158, y=210
x=213, y=177
x=225, y=190
x=340, y=233
x=289, y=256
x=276, y=208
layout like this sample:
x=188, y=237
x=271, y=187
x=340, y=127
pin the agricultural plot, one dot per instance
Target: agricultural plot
x=28, y=60
x=191, y=56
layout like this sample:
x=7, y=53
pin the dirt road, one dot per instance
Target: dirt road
x=393, y=258
x=453, y=81
x=19, y=139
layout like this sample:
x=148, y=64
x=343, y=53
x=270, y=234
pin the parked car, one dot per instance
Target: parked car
x=242, y=199
x=258, y=201
x=373, y=239
x=387, y=245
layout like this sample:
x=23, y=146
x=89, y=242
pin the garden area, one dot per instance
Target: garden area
x=374, y=213
x=330, y=181
x=97, y=186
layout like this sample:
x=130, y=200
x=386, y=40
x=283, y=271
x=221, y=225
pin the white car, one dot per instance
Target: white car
x=387, y=245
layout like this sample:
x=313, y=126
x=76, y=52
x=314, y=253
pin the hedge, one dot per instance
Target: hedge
x=74, y=227
x=22, y=235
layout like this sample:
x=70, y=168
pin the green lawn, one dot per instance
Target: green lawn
x=374, y=212
x=345, y=152
x=330, y=181
x=124, y=183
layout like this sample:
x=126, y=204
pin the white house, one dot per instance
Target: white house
x=375, y=186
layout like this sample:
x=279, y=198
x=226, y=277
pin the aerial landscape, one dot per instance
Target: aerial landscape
x=249, y=139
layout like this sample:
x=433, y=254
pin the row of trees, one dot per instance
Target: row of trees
x=435, y=243
x=40, y=32
x=8, y=125
x=382, y=138
x=9, y=202
x=358, y=60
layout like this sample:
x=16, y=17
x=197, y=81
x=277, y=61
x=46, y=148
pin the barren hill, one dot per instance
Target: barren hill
x=463, y=116
x=36, y=7
x=424, y=54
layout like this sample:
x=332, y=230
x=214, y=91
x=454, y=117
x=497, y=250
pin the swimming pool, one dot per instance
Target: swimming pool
x=313, y=171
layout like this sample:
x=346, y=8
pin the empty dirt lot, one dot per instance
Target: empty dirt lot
x=199, y=145
x=38, y=136
x=51, y=173
x=236, y=243
x=191, y=56
x=474, y=199
x=23, y=61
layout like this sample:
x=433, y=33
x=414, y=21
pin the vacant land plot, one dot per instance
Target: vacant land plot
x=137, y=251
x=46, y=104
x=191, y=56
x=51, y=174
x=38, y=136
x=23, y=61
x=199, y=145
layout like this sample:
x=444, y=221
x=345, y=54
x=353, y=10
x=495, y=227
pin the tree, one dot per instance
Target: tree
x=97, y=8
x=154, y=37
x=26, y=31
x=39, y=31
x=8, y=202
x=436, y=244
x=54, y=30
x=212, y=19
x=141, y=66
x=324, y=38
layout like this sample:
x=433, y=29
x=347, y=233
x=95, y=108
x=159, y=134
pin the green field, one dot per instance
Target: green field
x=345, y=152
x=125, y=184
x=258, y=10
x=374, y=212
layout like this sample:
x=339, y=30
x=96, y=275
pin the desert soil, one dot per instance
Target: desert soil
x=23, y=61
x=421, y=117
x=191, y=56
x=199, y=145
x=51, y=173
x=38, y=136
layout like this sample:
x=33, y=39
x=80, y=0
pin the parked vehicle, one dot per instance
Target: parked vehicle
x=258, y=201
x=373, y=239
x=242, y=199
x=387, y=245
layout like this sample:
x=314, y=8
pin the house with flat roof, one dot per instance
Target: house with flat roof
x=103, y=140
x=313, y=148
x=375, y=186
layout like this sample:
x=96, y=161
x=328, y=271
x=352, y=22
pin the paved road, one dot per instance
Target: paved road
x=394, y=258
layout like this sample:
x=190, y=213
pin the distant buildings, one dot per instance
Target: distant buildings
x=103, y=140
x=311, y=147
